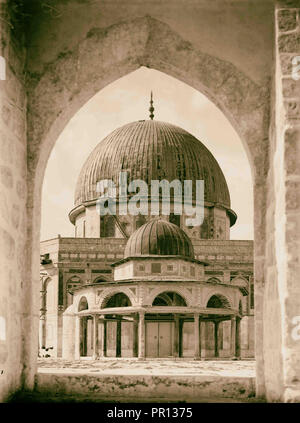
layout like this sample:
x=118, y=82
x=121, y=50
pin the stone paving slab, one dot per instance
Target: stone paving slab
x=239, y=368
x=125, y=380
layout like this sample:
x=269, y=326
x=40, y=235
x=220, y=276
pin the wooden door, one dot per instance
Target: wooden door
x=127, y=339
x=188, y=344
x=165, y=339
x=159, y=336
x=152, y=339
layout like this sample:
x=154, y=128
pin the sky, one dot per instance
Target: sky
x=127, y=100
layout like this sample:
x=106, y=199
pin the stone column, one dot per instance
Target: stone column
x=42, y=332
x=119, y=336
x=176, y=335
x=43, y=313
x=196, y=337
x=244, y=333
x=84, y=340
x=141, y=335
x=68, y=336
x=281, y=309
x=89, y=336
x=180, y=329
x=216, y=339
x=77, y=338
x=135, y=335
x=103, y=337
x=202, y=339
x=232, y=337
x=238, y=338
x=95, y=337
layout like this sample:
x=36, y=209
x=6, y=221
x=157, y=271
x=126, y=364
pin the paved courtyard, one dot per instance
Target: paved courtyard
x=160, y=367
x=131, y=380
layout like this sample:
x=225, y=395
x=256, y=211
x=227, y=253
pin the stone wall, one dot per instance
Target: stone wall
x=87, y=259
x=95, y=250
x=214, y=55
x=158, y=388
x=15, y=310
x=206, y=45
x=282, y=290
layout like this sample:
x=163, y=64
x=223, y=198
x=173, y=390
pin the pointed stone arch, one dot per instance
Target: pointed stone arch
x=182, y=292
x=118, y=299
x=101, y=279
x=217, y=300
x=169, y=298
x=213, y=280
x=108, y=293
x=83, y=304
x=106, y=54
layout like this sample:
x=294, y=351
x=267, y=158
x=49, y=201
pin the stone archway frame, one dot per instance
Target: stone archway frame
x=183, y=292
x=213, y=293
x=164, y=296
x=105, y=279
x=235, y=281
x=213, y=280
x=75, y=276
x=88, y=294
x=103, y=56
x=107, y=293
x=82, y=297
x=239, y=277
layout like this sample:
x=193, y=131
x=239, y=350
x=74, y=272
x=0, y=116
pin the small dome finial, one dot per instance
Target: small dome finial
x=151, y=109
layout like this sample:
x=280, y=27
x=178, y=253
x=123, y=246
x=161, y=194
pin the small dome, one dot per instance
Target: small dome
x=159, y=237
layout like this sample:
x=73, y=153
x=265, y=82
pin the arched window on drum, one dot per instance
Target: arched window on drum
x=107, y=226
x=72, y=284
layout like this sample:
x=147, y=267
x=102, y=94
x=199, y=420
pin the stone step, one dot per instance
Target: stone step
x=97, y=387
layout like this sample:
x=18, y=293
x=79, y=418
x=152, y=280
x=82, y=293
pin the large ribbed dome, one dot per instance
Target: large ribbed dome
x=152, y=150
x=159, y=237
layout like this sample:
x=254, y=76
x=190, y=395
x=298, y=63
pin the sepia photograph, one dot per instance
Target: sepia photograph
x=150, y=204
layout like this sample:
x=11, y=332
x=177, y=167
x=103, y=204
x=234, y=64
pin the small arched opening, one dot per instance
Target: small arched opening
x=218, y=301
x=85, y=329
x=107, y=226
x=73, y=283
x=169, y=299
x=83, y=304
x=100, y=279
x=117, y=300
